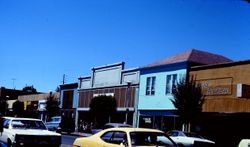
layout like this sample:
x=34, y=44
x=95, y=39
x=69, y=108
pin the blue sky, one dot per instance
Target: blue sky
x=40, y=40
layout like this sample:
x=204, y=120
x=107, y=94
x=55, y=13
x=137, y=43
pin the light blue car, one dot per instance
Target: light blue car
x=2, y=144
x=53, y=124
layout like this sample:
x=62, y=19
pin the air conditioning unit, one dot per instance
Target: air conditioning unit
x=239, y=90
x=243, y=90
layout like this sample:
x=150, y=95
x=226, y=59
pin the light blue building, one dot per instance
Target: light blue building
x=158, y=80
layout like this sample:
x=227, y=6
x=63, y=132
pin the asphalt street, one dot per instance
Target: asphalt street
x=67, y=140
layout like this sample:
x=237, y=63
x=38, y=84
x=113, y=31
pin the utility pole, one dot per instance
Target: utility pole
x=63, y=78
x=127, y=98
x=13, y=83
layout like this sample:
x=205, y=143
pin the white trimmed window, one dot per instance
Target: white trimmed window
x=171, y=83
x=150, y=86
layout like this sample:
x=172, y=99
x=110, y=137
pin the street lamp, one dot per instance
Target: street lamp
x=127, y=100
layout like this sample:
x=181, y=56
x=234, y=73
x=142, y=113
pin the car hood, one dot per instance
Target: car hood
x=190, y=140
x=203, y=140
x=34, y=132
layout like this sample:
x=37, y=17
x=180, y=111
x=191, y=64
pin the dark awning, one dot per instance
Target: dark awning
x=158, y=112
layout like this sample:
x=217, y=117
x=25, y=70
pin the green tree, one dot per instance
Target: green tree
x=188, y=100
x=52, y=106
x=3, y=106
x=29, y=89
x=102, y=108
x=18, y=108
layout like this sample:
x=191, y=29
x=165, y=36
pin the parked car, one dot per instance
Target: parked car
x=110, y=125
x=129, y=137
x=28, y=132
x=54, y=123
x=189, y=139
x=244, y=143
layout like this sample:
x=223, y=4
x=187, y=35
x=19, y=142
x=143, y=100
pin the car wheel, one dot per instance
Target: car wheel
x=9, y=143
x=180, y=145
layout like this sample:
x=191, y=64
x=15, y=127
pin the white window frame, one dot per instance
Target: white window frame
x=150, y=85
x=171, y=83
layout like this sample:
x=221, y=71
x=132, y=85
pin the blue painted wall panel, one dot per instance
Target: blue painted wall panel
x=161, y=100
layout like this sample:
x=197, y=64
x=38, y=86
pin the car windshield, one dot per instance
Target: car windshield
x=56, y=119
x=150, y=139
x=28, y=124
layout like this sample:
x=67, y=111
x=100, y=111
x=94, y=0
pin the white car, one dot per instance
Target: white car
x=189, y=139
x=28, y=132
x=244, y=143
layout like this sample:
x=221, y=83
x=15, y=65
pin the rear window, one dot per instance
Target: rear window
x=106, y=126
x=114, y=137
x=27, y=124
x=150, y=139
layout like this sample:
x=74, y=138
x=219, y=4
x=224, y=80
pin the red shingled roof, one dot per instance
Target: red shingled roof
x=193, y=55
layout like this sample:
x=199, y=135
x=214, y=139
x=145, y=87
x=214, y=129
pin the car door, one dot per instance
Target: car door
x=114, y=138
x=5, y=133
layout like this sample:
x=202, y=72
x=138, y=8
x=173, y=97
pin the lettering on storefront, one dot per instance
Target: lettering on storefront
x=147, y=120
x=213, y=87
x=103, y=94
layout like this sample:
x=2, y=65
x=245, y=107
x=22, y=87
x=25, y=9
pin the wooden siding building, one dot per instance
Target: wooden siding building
x=120, y=93
x=227, y=101
x=110, y=80
x=226, y=86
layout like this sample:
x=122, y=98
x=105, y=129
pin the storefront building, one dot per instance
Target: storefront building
x=226, y=108
x=35, y=104
x=158, y=80
x=110, y=80
x=68, y=105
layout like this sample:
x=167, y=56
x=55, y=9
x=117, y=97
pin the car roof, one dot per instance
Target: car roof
x=189, y=134
x=56, y=117
x=129, y=129
x=21, y=118
x=117, y=124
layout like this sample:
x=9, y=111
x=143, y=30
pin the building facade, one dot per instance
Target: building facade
x=110, y=80
x=226, y=108
x=68, y=105
x=156, y=85
x=158, y=80
x=35, y=104
x=10, y=96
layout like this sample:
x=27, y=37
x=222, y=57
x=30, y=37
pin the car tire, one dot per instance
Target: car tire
x=9, y=143
x=180, y=145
